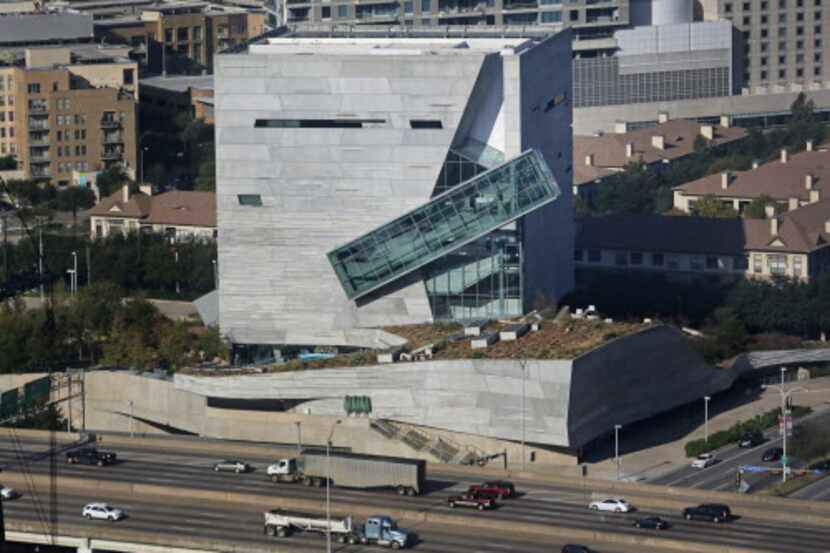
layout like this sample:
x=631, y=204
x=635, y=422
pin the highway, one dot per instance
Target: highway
x=541, y=504
x=721, y=476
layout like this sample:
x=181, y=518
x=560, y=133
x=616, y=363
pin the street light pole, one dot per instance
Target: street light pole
x=132, y=420
x=706, y=400
x=74, y=273
x=617, y=447
x=176, y=256
x=299, y=437
x=328, y=486
x=215, y=275
x=785, y=395
x=522, y=364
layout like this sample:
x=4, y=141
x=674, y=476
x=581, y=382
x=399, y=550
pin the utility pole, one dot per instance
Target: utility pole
x=69, y=401
x=706, y=400
x=74, y=273
x=40, y=262
x=617, y=447
x=328, y=486
x=522, y=363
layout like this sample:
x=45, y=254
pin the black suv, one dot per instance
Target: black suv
x=90, y=456
x=714, y=512
x=751, y=439
x=773, y=454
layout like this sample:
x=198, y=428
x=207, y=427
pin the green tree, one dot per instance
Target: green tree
x=211, y=345
x=803, y=125
x=701, y=145
x=710, y=206
x=757, y=208
x=175, y=346
x=110, y=180
x=206, y=181
x=811, y=440
x=8, y=163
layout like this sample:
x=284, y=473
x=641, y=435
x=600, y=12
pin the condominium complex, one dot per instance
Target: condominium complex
x=384, y=179
x=68, y=109
x=192, y=31
x=784, y=40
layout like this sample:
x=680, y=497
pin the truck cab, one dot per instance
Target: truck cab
x=383, y=530
x=283, y=470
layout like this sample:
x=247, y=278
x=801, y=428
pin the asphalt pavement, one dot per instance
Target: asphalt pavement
x=540, y=503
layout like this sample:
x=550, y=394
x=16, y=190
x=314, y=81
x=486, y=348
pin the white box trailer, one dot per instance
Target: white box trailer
x=352, y=470
x=283, y=523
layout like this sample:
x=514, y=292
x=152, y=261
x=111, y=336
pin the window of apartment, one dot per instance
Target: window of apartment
x=746, y=6
x=727, y=8
x=782, y=73
x=763, y=60
x=551, y=17
x=817, y=57
x=594, y=256
x=817, y=29
x=764, y=33
x=817, y=43
x=696, y=263
x=777, y=264
x=129, y=76
x=712, y=262
x=636, y=258
x=3, y=132
x=746, y=21
x=740, y=262
x=763, y=75
x=757, y=263
x=799, y=16
x=168, y=35
x=799, y=31
x=817, y=70
x=799, y=45
x=196, y=33
x=325, y=12
x=783, y=45
x=408, y=7
x=797, y=266
x=818, y=3
x=799, y=3
x=782, y=4
x=577, y=254
x=657, y=259
x=782, y=17
x=574, y=15
x=77, y=134
x=764, y=19
x=343, y=10
x=2, y=116
x=764, y=5
x=253, y=200
x=2, y=148
x=673, y=262
x=621, y=259
x=799, y=72
x=763, y=47
x=782, y=60
x=77, y=150
x=33, y=88
x=426, y=6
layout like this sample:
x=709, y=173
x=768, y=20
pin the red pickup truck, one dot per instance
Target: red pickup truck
x=474, y=500
x=500, y=489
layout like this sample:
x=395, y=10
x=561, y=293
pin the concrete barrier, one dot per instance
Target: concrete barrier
x=411, y=515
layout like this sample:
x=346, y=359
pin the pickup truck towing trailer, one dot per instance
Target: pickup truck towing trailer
x=378, y=530
x=352, y=470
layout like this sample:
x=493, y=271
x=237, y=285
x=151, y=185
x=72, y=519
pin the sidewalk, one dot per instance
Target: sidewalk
x=654, y=461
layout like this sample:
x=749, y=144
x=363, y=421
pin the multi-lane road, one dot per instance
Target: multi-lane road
x=542, y=503
x=722, y=475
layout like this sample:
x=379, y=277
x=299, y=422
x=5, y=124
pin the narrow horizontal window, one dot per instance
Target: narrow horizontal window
x=315, y=123
x=250, y=199
x=426, y=124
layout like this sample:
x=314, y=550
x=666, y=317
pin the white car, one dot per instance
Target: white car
x=615, y=505
x=8, y=493
x=102, y=511
x=704, y=460
x=231, y=466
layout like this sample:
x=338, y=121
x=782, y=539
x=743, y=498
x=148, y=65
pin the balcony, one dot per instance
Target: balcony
x=41, y=173
x=38, y=125
x=38, y=108
x=449, y=221
x=39, y=142
x=110, y=123
x=39, y=160
x=114, y=138
x=112, y=155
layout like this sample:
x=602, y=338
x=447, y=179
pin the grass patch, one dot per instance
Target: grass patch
x=784, y=489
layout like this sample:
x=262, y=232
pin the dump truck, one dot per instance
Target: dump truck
x=377, y=530
x=351, y=470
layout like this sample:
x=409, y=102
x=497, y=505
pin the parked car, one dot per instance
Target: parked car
x=8, y=493
x=715, y=512
x=704, y=460
x=475, y=500
x=573, y=548
x=90, y=456
x=821, y=465
x=102, y=511
x=751, y=439
x=773, y=454
x=655, y=523
x=615, y=505
x=498, y=488
x=231, y=466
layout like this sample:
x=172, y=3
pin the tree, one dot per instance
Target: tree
x=206, y=181
x=757, y=208
x=803, y=125
x=701, y=145
x=8, y=163
x=74, y=198
x=811, y=440
x=175, y=346
x=110, y=180
x=211, y=345
x=710, y=206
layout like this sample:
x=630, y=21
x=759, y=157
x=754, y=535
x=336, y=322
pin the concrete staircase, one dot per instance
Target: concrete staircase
x=440, y=447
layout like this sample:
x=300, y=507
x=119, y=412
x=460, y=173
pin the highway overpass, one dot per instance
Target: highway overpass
x=177, y=503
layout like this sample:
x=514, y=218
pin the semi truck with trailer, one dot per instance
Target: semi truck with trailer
x=351, y=470
x=377, y=530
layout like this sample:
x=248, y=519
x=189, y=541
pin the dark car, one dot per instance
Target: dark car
x=714, y=512
x=475, y=500
x=773, y=454
x=821, y=465
x=572, y=548
x=655, y=523
x=90, y=456
x=497, y=488
x=751, y=439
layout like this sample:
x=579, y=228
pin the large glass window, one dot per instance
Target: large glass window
x=462, y=214
x=777, y=264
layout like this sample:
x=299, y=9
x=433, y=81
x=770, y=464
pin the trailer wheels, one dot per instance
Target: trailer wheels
x=282, y=532
x=411, y=492
x=353, y=540
x=271, y=531
x=307, y=481
x=401, y=490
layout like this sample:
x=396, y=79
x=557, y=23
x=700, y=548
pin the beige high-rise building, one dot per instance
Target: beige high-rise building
x=784, y=41
x=64, y=110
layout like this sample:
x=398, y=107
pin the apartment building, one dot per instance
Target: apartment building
x=192, y=31
x=68, y=109
x=793, y=245
x=167, y=97
x=784, y=40
x=600, y=156
x=790, y=181
x=588, y=14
